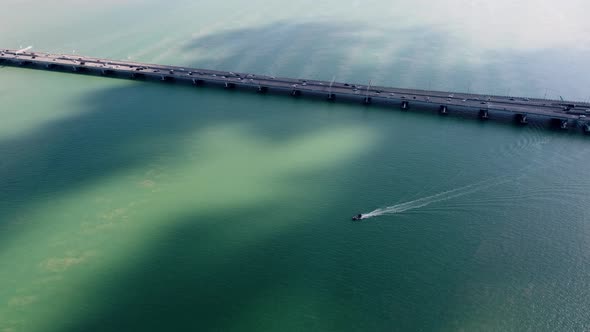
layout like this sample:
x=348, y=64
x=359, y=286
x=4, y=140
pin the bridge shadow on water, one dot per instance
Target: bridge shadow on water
x=184, y=279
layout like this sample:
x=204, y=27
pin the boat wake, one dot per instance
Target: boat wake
x=443, y=196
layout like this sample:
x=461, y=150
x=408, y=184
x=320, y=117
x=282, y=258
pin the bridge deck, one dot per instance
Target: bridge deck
x=562, y=110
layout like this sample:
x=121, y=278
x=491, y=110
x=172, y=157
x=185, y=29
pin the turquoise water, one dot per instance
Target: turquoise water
x=137, y=206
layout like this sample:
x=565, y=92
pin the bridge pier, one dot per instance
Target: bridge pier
x=229, y=85
x=137, y=76
x=443, y=110
x=296, y=93
x=198, y=82
x=405, y=105
x=560, y=123
x=262, y=89
x=521, y=119
x=166, y=78
x=484, y=114
x=586, y=128
x=106, y=72
x=79, y=69
x=367, y=101
x=331, y=97
x=564, y=124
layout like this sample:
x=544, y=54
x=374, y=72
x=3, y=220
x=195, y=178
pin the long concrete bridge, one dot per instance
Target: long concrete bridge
x=561, y=114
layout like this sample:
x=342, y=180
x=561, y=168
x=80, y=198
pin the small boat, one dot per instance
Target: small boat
x=358, y=217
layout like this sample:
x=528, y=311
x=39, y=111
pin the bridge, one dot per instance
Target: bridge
x=562, y=114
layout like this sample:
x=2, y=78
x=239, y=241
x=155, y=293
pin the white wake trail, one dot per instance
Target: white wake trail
x=443, y=196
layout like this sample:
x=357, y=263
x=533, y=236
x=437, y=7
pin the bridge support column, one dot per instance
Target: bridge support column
x=484, y=114
x=563, y=124
x=586, y=128
x=166, y=78
x=229, y=85
x=521, y=119
x=405, y=105
x=74, y=68
x=367, y=101
x=198, y=82
x=443, y=110
x=296, y=93
x=331, y=97
x=262, y=89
